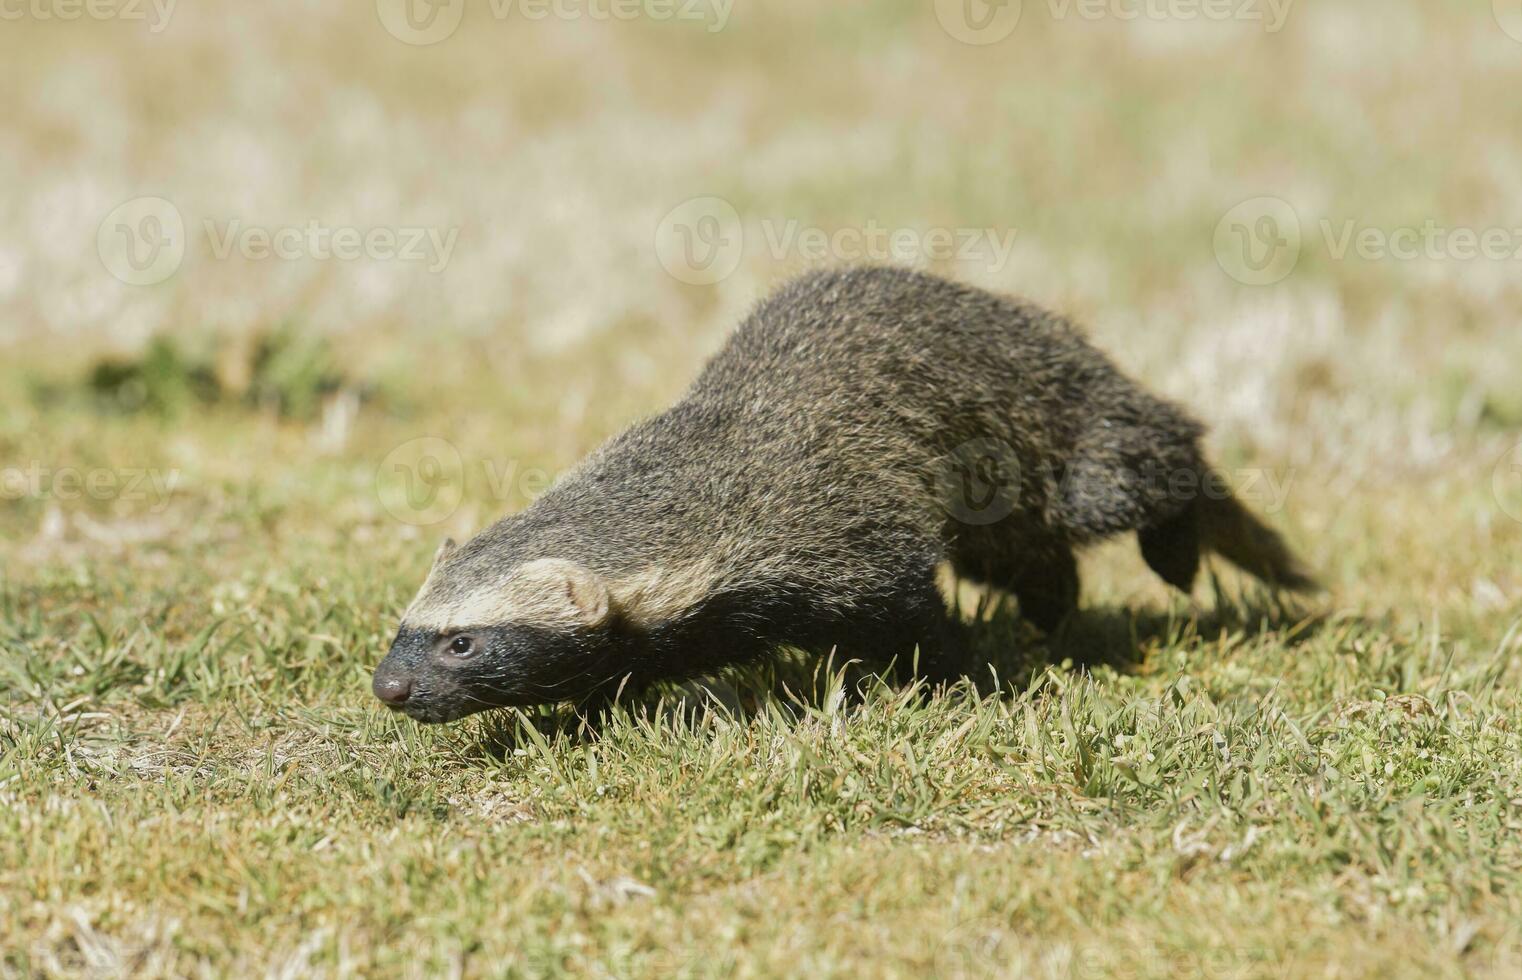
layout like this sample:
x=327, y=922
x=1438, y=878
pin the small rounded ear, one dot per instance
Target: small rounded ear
x=439, y=557
x=563, y=591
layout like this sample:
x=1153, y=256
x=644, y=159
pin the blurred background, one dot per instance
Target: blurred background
x=291, y=290
x=255, y=253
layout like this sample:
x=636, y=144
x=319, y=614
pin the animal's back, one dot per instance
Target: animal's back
x=892, y=370
x=900, y=354
x=803, y=492
x=807, y=449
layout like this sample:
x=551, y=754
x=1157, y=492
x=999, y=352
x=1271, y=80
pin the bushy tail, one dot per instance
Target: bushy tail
x=1236, y=534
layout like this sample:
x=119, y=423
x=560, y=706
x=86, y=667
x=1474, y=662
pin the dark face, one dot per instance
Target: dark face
x=436, y=677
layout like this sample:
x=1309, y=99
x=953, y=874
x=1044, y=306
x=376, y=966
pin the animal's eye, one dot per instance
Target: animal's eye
x=462, y=646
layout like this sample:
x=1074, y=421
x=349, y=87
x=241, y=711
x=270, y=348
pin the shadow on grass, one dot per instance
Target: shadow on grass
x=1122, y=638
x=1006, y=653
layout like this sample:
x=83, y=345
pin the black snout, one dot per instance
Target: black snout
x=391, y=686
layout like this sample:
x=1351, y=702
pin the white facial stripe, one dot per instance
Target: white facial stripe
x=489, y=607
x=536, y=593
x=653, y=595
x=554, y=593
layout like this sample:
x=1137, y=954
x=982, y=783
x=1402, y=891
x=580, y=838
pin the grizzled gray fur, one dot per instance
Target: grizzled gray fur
x=858, y=430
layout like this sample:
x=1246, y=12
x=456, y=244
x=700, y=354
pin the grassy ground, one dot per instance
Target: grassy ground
x=193, y=776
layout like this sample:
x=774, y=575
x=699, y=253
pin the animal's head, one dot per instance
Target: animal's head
x=481, y=636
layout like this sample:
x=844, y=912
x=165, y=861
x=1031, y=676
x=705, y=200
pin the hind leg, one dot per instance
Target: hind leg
x=1043, y=578
x=1172, y=548
x=1138, y=469
x=1048, y=589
